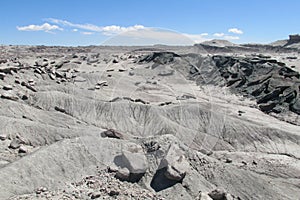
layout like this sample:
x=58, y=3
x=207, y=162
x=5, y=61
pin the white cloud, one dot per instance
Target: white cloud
x=87, y=33
x=137, y=34
x=218, y=34
x=44, y=27
x=235, y=30
x=88, y=27
x=106, y=30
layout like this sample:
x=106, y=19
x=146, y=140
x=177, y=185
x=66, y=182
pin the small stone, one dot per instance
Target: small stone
x=3, y=137
x=38, y=71
x=97, y=87
x=113, y=169
x=112, y=134
x=102, y=83
x=217, y=194
x=14, y=144
x=2, y=75
x=123, y=174
x=23, y=149
x=7, y=87
x=113, y=193
x=24, y=97
x=95, y=195
x=79, y=79
x=68, y=75
x=9, y=96
x=59, y=109
x=52, y=76
x=17, y=81
x=228, y=160
x=131, y=73
x=122, y=70
x=204, y=196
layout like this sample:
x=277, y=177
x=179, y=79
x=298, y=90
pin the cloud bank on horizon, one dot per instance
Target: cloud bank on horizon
x=155, y=35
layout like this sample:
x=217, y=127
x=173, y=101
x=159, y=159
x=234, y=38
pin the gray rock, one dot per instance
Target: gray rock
x=166, y=73
x=136, y=162
x=2, y=75
x=7, y=87
x=79, y=79
x=111, y=133
x=113, y=168
x=218, y=194
x=38, y=71
x=52, y=76
x=14, y=144
x=102, y=83
x=204, y=196
x=97, y=87
x=68, y=75
x=123, y=174
x=3, y=136
x=10, y=96
x=185, y=97
x=23, y=149
x=91, y=61
x=59, y=109
x=175, y=162
x=95, y=195
x=131, y=73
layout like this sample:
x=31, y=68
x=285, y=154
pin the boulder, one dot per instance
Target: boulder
x=175, y=163
x=135, y=160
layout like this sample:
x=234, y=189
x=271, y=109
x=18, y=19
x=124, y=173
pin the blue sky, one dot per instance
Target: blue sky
x=91, y=22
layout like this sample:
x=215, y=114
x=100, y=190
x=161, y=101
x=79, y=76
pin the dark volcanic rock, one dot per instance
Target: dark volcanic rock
x=274, y=86
x=112, y=134
x=160, y=57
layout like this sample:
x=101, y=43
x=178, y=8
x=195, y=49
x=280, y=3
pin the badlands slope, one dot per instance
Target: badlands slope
x=199, y=122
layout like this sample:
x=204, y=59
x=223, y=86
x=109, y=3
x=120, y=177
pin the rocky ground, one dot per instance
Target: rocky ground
x=200, y=122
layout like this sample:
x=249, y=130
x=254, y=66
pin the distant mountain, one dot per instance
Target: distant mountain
x=223, y=46
x=292, y=42
x=219, y=43
x=279, y=43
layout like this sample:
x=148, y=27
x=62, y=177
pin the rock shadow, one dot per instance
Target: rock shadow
x=161, y=182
